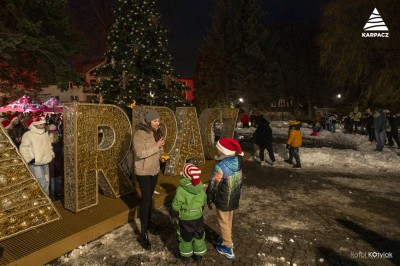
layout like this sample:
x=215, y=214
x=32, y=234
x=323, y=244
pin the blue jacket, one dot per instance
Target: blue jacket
x=225, y=184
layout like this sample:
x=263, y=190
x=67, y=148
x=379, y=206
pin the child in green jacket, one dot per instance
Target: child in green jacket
x=188, y=206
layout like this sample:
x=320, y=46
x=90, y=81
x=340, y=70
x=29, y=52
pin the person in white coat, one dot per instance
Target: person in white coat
x=37, y=151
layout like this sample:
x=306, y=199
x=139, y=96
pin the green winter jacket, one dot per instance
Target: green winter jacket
x=189, y=200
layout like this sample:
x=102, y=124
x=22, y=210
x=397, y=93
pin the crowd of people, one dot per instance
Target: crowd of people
x=381, y=126
x=39, y=140
x=38, y=137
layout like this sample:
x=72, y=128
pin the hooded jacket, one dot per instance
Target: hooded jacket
x=295, y=138
x=263, y=133
x=36, y=144
x=189, y=200
x=225, y=184
x=147, y=153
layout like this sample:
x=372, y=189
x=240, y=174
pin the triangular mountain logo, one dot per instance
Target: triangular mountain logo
x=375, y=22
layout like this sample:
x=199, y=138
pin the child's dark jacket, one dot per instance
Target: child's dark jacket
x=225, y=185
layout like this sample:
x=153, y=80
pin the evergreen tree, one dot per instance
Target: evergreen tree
x=257, y=70
x=212, y=86
x=236, y=59
x=302, y=81
x=36, y=45
x=138, y=65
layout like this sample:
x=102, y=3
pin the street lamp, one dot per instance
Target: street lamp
x=236, y=103
x=339, y=100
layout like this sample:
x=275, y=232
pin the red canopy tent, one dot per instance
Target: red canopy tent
x=54, y=105
x=26, y=104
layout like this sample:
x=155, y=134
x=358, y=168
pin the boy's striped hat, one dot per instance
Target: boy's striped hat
x=192, y=172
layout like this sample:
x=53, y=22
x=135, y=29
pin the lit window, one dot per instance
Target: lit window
x=281, y=103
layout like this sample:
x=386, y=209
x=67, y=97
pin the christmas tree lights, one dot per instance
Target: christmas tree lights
x=137, y=60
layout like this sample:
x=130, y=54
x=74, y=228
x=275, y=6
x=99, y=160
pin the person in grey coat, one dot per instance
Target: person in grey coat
x=380, y=124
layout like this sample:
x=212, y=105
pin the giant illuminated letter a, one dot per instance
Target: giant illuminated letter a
x=188, y=146
x=97, y=138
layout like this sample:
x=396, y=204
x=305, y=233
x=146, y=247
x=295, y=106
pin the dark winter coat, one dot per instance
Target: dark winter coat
x=16, y=133
x=56, y=166
x=263, y=134
x=380, y=121
x=370, y=122
x=394, y=125
x=224, y=187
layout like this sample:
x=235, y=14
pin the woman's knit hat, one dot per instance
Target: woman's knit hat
x=192, y=172
x=150, y=115
x=229, y=147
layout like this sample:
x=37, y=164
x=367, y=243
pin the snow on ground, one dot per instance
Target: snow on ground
x=361, y=157
x=120, y=246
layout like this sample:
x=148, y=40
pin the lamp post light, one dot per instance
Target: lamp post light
x=236, y=103
x=339, y=100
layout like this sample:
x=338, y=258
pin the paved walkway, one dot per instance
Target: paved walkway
x=286, y=217
x=304, y=218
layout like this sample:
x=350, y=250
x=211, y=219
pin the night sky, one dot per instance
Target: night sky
x=187, y=23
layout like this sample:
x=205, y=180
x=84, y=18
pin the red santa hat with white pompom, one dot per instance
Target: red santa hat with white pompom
x=229, y=147
x=35, y=121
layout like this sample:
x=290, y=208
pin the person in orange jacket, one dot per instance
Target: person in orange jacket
x=294, y=142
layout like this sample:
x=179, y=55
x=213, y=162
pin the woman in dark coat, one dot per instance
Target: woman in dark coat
x=263, y=138
x=56, y=166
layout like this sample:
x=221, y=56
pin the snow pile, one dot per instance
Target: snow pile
x=361, y=155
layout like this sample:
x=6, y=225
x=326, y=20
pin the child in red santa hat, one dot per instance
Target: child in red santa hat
x=224, y=189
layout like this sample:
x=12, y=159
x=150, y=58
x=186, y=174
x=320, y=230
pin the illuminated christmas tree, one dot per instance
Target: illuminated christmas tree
x=138, y=65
